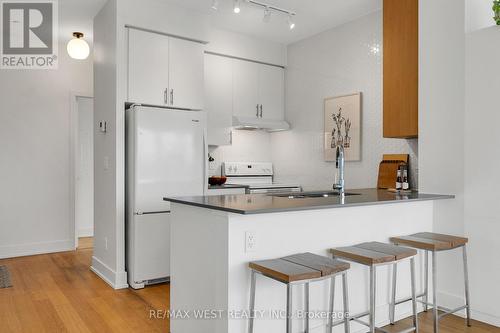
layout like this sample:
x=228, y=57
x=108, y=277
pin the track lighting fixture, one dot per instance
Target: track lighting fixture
x=291, y=23
x=267, y=15
x=268, y=10
x=215, y=4
x=236, y=6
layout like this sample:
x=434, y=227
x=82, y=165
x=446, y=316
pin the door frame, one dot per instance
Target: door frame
x=73, y=160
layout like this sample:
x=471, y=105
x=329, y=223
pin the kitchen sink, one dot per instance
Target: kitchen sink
x=306, y=195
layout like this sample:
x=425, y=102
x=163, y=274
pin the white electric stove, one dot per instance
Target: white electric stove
x=257, y=177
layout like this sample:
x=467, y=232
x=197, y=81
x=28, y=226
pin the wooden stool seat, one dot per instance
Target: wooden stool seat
x=431, y=241
x=373, y=253
x=298, y=267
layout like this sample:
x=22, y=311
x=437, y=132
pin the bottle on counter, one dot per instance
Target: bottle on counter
x=406, y=184
x=399, y=180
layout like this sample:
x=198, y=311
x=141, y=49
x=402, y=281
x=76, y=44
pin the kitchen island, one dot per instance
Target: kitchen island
x=210, y=252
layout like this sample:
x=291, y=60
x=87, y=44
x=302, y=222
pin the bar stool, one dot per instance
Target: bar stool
x=432, y=242
x=373, y=255
x=300, y=269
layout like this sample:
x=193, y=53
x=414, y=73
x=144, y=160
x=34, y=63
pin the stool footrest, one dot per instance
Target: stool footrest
x=356, y=319
x=404, y=300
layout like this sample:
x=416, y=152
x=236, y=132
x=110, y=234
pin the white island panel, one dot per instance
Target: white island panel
x=210, y=264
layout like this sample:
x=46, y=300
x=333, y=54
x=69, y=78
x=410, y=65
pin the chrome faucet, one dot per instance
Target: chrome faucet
x=339, y=170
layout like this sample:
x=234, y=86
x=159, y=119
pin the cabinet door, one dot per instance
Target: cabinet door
x=271, y=92
x=246, y=88
x=219, y=99
x=147, y=67
x=400, y=68
x=186, y=74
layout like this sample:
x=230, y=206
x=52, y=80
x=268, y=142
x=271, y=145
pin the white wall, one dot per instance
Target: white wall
x=479, y=14
x=35, y=200
x=247, y=146
x=336, y=62
x=441, y=127
x=482, y=211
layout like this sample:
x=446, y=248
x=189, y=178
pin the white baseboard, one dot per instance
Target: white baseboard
x=114, y=279
x=89, y=232
x=22, y=250
x=453, y=301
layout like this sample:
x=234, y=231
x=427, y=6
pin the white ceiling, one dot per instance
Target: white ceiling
x=313, y=16
x=77, y=15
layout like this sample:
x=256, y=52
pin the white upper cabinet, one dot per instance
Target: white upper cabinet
x=219, y=99
x=271, y=92
x=165, y=71
x=148, y=68
x=258, y=90
x=246, y=89
x=186, y=74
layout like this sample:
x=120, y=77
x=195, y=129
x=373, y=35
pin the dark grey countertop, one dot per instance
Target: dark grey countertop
x=262, y=203
x=225, y=187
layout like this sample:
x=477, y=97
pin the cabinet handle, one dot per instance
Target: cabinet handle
x=171, y=96
x=165, y=96
x=261, y=110
x=257, y=111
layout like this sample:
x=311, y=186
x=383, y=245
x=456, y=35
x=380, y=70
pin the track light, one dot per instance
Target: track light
x=215, y=4
x=236, y=6
x=267, y=15
x=290, y=22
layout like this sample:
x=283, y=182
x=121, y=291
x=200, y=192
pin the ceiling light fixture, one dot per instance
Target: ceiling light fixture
x=236, y=6
x=215, y=4
x=267, y=15
x=77, y=47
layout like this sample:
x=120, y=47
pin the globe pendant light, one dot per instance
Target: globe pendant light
x=78, y=47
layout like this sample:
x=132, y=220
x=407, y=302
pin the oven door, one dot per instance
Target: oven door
x=273, y=190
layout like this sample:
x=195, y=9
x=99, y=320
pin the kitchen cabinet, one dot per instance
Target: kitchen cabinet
x=219, y=99
x=258, y=90
x=148, y=67
x=246, y=88
x=400, y=68
x=271, y=92
x=164, y=71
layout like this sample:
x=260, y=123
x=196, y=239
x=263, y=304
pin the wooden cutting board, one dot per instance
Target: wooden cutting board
x=388, y=169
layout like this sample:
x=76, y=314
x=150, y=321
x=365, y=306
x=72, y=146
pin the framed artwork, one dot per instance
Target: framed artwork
x=343, y=126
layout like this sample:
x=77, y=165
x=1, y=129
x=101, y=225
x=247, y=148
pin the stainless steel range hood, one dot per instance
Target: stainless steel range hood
x=249, y=123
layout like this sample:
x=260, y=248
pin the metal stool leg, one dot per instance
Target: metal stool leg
x=373, y=272
x=347, y=323
x=392, y=307
x=288, y=308
x=426, y=281
x=414, y=294
x=252, y=302
x=306, y=299
x=466, y=276
x=332, y=301
x=434, y=292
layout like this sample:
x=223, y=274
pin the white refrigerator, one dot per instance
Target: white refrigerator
x=166, y=156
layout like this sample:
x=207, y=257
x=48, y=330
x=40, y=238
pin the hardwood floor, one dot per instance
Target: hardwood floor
x=58, y=293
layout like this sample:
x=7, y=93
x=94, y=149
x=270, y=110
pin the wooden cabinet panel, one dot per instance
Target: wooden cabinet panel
x=400, y=68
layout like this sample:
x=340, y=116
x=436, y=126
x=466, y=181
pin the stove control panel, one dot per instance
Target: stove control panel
x=247, y=169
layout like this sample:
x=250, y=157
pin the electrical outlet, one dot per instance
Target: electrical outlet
x=250, y=241
x=106, y=243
